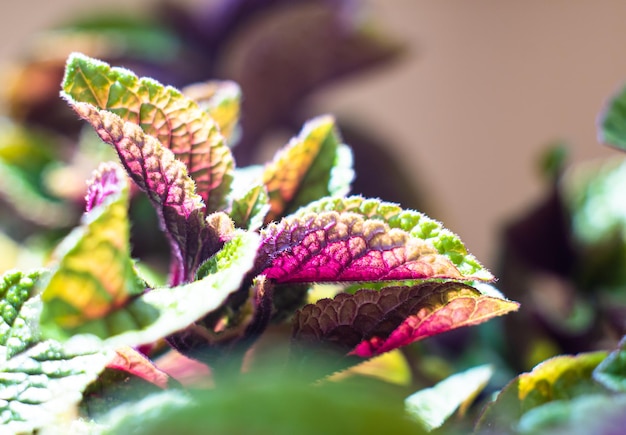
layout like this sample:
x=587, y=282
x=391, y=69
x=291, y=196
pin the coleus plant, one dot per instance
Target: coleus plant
x=247, y=245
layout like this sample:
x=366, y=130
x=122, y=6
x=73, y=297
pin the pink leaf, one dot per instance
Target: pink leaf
x=372, y=322
x=331, y=246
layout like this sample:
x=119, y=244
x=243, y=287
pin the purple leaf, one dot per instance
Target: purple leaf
x=164, y=178
x=108, y=180
x=372, y=322
x=331, y=246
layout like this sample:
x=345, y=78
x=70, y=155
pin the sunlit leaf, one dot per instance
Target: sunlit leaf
x=160, y=312
x=221, y=100
x=42, y=386
x=415, y=223
x=94, y=275
x=612, y=371
x=561, y=378
x=17, y=312
x=346, y=246
x=371, y=322
x=275, y=72
x=390, y=367
x=311, y=166
x=433, y=406
x=249, y=210
x=162, y=112
x=165, y=180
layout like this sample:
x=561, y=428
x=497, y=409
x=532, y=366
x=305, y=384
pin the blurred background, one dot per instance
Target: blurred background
x=480, y=90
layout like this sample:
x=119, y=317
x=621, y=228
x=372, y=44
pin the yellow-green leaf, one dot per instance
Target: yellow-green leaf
x=162, y=112
x=312, y=165
x=221, y=100
x=94, y=275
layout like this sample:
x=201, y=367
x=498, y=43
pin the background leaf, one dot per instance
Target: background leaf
x=311, y=166
x=164, y=311
x=612, y=121
x=433, y=406
x=165, y=180
x=558, y=379
x=162, y=112
x=222, y=101
x=611, y=372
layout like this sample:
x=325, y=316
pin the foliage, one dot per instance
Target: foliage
x=242, y=241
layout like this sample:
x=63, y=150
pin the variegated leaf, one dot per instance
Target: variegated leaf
x=415, y=223
x=332, y=246
x=311, y=166
x=372, y=322
x=162, y=112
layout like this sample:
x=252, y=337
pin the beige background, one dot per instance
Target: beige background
x=487, y=85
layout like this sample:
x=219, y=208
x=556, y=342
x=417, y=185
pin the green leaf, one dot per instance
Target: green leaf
x=433, y=406
x=94, y=276
x=612, y=121
x=249, y=210
x=311, y=166
x=273, y=402
x=561, y=378
x=612, y=371
x=18, y=311
x=165, y=180
x=42, y=386
x=589, y=414
x=163, y=311
x=415, y=223
x=222, y=101
x=177, y=122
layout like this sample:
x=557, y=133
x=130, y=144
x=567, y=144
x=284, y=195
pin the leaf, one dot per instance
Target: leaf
x=129, y=360
x=249, y=210
x=17, y=312
x=346, y=246
x=42, y=386
x=164, y=178
x=311, y=166
x=583, y=415
x=177, y=122
x=415, y=223
x=557, y=379
x=222, y=101
x=371, y=322
x=612, y=121
x=611, y=373
x=94, y=276
x=163, y=311
x=335, y=42
x=273, y=402
x=433, y=406
x=28, y=202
